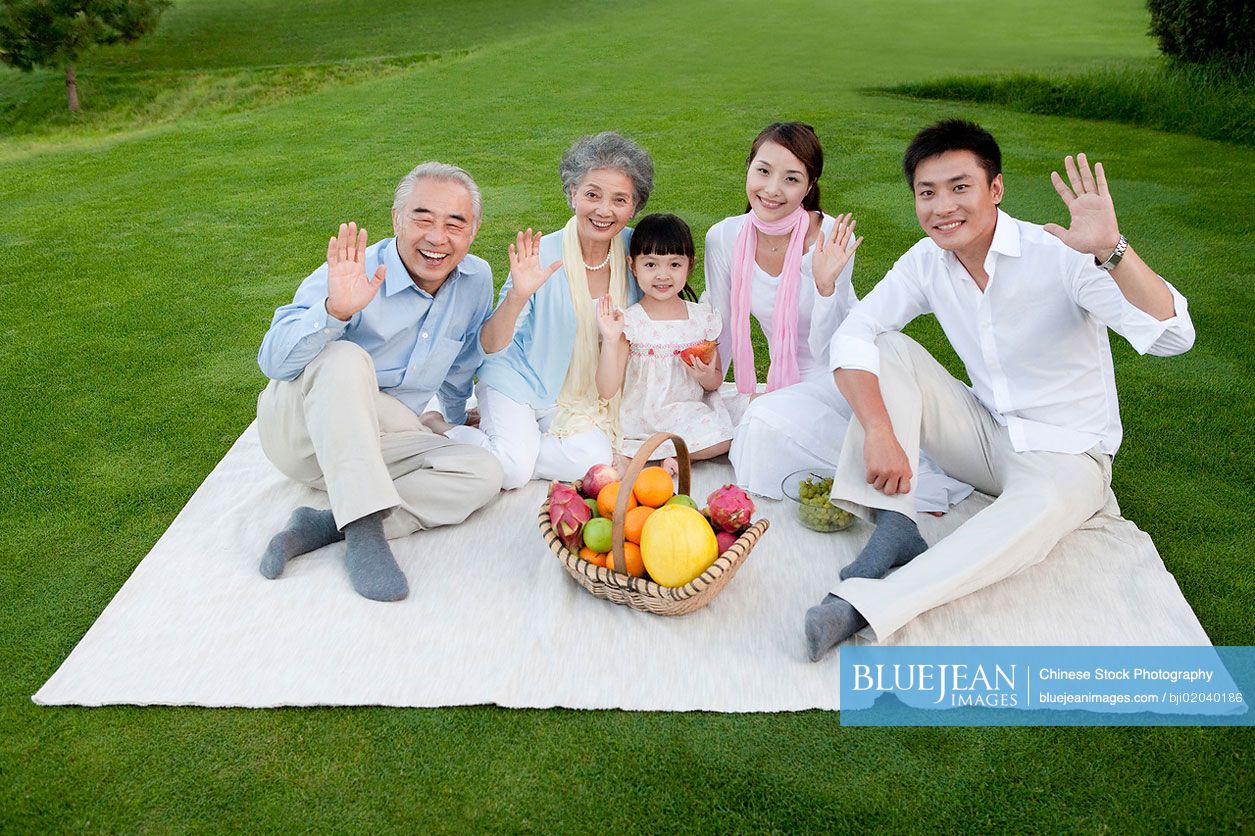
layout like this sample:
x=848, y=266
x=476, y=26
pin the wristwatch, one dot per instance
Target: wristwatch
x=1116, y=255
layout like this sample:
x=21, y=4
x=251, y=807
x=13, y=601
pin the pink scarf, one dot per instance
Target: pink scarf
x=783, y=339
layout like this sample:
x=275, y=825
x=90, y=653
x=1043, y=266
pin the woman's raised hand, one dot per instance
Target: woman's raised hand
x=609, y=318
x=348, y=288
x=833, y=254
x=525, y=271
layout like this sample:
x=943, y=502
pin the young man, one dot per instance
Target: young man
x=1027, y=309
x=371, y=336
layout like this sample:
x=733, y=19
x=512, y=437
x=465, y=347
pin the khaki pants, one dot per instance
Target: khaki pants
x=1040, y=496
x=332, y=429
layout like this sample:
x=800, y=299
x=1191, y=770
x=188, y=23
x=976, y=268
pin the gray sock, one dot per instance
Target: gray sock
x=306, y=530
x=895, y=542
x=829, y=623
x=373, y=570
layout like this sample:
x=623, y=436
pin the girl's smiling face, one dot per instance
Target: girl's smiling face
x=661, y=277
x=776, y=182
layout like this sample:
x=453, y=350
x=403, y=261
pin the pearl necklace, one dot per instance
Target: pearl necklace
x=590, y=267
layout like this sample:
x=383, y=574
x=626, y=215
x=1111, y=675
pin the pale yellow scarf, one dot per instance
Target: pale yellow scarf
x=580, y=407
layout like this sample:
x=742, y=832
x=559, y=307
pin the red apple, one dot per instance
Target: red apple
x=705, y=350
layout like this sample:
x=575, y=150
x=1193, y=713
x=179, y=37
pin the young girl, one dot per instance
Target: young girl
x=663, y=390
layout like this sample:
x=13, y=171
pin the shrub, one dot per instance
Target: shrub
x=1205, y=31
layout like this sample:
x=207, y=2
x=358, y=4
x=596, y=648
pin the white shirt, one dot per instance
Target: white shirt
x=1034, y=343
x=817, y=318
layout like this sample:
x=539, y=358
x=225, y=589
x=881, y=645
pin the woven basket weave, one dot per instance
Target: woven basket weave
x=639, y=593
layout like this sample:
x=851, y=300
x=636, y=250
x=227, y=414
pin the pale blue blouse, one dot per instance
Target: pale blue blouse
x=533, y=366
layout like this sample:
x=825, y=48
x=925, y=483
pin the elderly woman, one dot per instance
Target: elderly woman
x=789, y=265
x=540, y=412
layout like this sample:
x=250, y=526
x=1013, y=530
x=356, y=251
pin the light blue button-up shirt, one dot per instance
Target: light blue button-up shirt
x=422, y=345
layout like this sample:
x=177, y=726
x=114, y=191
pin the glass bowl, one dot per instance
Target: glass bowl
x=815, y=511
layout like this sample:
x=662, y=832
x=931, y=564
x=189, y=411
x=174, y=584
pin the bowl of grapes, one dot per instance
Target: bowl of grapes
x=809, y=490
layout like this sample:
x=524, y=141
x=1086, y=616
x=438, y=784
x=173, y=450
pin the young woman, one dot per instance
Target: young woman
x=789, y=265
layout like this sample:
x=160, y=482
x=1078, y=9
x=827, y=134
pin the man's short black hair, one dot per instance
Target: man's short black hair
x=953, y=135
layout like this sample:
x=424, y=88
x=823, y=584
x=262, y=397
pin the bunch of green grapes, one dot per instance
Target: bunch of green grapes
x=816, y=511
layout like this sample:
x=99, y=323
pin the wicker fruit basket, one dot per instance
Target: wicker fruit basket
x=640, y=593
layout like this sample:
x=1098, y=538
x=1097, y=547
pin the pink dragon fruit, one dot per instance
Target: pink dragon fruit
x=597, y=477
x=567, y=513
x=730, y=508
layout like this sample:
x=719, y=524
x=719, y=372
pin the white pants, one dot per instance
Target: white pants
x=1040, y=496
x=332, y=429
x=518, y=436
x=802, y=426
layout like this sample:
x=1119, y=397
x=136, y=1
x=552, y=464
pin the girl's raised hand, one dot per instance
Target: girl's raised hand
x=833, y=254
x=609, y=318
x=526, y=274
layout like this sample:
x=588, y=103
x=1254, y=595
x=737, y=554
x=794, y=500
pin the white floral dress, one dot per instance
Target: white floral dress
x=658, y=394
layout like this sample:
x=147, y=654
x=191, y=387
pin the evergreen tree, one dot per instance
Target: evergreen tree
x=54, y=33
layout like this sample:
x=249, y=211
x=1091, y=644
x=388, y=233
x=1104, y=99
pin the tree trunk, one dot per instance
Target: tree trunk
x=71, y=88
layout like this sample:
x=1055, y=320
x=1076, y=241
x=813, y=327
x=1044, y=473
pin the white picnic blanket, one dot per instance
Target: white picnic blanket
x=493, y=617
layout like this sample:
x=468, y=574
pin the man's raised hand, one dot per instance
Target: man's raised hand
x=348, y=288
x=525, y=271
x=1093, y=228
x=832, y=255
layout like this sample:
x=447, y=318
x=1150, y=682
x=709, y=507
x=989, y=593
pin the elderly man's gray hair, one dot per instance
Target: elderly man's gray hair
x=432, y=170
x=608, y=150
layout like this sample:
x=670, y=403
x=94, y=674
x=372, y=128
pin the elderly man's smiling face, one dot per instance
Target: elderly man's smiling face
x=434, y=230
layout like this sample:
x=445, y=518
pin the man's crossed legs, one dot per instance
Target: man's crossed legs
x=385, y=473
x=1040, y=497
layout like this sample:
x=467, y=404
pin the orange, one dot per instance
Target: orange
x=595, y=558
x=631, y=556
x=607, y=497
x=653, y=487
x=634, y=522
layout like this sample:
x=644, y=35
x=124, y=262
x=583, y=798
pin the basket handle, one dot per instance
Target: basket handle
x=618, y=563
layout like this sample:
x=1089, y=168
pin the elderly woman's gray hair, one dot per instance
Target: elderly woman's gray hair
x=608, y=150
x=432, y=170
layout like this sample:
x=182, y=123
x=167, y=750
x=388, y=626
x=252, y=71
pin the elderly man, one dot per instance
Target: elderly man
x=370, y=337
x=1027, y=309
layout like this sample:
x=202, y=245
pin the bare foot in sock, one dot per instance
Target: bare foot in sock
x=895, y=542
x=373, y=570
x=828, y=624
x=435, y=422
x=306, y=530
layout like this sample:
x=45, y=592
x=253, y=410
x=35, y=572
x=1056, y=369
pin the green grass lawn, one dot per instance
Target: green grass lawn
x=143, y=249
